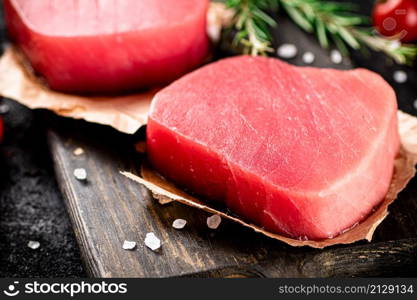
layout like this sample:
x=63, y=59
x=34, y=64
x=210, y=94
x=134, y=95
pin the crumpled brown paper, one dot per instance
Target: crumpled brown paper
x=125, y=113
x=404, y=170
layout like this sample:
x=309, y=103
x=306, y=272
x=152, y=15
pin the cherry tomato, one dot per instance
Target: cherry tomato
x=396, y=18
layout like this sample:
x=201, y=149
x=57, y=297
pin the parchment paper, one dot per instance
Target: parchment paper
x=125, y=113
x=404, y=170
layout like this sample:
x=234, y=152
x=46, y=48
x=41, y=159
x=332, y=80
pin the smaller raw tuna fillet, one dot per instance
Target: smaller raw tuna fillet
x=305, y=152
x=109, y=46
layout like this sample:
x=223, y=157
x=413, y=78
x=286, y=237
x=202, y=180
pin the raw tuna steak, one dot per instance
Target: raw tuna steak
x=104, y=45
x=305, y=152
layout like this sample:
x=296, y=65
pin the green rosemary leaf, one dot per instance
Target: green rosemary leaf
x=348, y=38
x=265, y=17
x=340, y=44
x=298, y=18
x=321, y=34
x=337, y=6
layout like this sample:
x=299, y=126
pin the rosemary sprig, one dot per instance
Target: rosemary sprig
x=338, y=22
x=332, y=22
x=252, y=24
x=401, y=53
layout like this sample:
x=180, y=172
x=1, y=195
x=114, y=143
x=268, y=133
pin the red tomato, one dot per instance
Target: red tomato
x=396, y=17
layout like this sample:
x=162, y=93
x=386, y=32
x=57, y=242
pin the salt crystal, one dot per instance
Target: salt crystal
x=129, y=245
x=34, y=245
x=400, y=76
x=80, y=174
x=308, y=57
x=336, y=57
x=415, y=104
x=287, y=51
x=214, y=221
x=78, y=151
x=152, y=242
x=179, y=223
x=4, y=108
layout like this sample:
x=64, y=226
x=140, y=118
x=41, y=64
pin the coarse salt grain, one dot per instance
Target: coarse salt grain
x=80, y=174
x=34, y=245
x=214, y=221
x=78, y=151
x=336, y=57
x=308, y=57
x=179, y=223
x=400, y=76
x=4, y=108
x=152, y=242
x=129, y=245
x=287, y=51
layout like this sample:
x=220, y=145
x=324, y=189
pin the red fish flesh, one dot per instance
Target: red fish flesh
x=109, y=45
x=301, y=151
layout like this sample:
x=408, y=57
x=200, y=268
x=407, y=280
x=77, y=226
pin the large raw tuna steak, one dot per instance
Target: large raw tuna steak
x=306, y=152
x=109, y=45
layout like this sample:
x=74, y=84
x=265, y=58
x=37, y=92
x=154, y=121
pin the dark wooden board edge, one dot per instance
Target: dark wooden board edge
x=88, y=254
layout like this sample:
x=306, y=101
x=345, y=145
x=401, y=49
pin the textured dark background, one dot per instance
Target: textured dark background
x=31, y=206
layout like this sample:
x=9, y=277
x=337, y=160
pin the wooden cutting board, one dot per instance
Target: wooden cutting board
x=109, y=208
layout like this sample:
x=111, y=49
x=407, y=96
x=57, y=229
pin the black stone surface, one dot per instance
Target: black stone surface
x=31, y=206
